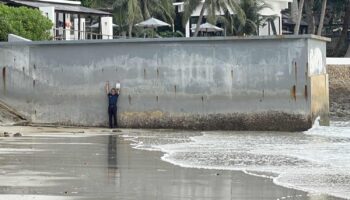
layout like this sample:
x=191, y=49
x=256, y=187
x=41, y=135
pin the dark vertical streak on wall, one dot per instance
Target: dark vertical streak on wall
x=4, y=79
x=294, y=92
x=306, y=93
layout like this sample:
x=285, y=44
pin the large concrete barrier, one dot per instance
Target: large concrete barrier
x=251, y=83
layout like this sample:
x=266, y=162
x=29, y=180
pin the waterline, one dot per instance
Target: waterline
x=317, y=161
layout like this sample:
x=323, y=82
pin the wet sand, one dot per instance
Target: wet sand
x=50, y=163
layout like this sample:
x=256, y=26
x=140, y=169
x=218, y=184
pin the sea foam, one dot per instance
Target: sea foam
x=317, y=161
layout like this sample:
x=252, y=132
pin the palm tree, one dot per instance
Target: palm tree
x=134, y=14
x=132, y=11
x=343, y=37
x=310, y=15
x=294, y=10
x=252, y=10
x=300, y=14
x=162, y=9
x=323, y=12
x=213, y=7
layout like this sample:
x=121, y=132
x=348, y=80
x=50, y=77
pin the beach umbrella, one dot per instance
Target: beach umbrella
x=152, y=23
x=97, y=24
x=207, y=27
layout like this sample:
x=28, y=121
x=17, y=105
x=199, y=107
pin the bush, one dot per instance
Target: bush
x=25, y=22
x=166, y=34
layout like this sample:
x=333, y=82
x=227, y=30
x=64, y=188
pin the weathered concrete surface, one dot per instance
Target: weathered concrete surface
x=258, y=83
x=320, y=98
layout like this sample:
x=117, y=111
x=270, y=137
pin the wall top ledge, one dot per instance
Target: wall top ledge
x=166, y=40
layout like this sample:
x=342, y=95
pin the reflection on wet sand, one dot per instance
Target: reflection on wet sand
x=65, y=166
x=113, y=172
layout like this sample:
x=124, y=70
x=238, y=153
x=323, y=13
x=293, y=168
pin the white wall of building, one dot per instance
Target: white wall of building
x=49, y=12
x=107, y=27
x=79, y=32
x=71, y=29
x=276, y=7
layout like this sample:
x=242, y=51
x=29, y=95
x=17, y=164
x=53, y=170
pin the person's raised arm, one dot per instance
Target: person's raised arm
x=117, y=86
x=107, y=87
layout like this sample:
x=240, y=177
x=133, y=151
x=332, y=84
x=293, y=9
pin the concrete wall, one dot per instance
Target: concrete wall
x=257, y=83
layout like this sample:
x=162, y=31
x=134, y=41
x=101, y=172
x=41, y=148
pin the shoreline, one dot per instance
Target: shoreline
x=156, y=157
x=258, y=174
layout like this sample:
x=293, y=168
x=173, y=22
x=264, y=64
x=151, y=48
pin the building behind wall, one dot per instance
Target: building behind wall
x=71, y=20
x=272, y=27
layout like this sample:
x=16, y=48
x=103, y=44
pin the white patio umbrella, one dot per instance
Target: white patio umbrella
x=207, y=27
x=97, y=24
x=152, y=23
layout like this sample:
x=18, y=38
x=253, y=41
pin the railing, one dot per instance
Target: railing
x=338, y=61
x=71, y=34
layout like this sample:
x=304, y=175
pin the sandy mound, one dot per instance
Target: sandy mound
x=8, y=116
x=339, y=92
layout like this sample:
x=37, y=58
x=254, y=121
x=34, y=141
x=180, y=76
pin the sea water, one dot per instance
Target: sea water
x=316, y=161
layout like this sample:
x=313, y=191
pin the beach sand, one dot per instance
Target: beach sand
x=339, y=92
x=61, y=163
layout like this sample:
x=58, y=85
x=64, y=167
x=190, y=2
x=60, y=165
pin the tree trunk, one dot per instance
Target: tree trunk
x=145, y=10
x=310, y=18
x=347, y=55
x=130, y=30
x=300, y=14
x=294, y=11
x=199, y=22
x=323, y=12
x=344, y=35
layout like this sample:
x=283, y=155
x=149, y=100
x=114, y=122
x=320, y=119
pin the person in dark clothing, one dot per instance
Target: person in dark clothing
x=113, y=95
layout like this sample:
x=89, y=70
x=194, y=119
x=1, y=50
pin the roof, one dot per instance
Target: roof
x=62, y=1
x=59, y=7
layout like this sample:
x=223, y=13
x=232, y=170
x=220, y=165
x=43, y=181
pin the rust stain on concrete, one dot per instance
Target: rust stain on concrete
x=293, y=92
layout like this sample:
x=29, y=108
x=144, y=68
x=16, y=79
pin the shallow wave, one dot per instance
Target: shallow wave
x=339, y=129
x=316, y=161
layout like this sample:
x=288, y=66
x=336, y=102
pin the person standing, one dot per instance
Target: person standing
x=113, y=95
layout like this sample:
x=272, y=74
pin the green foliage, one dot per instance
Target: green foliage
x=25, y=22
x=214, y=7
x=254, y=20
x=245, y=21
x=97, y=3
x=127, y=13
x=170, y=34
x=86, y=3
